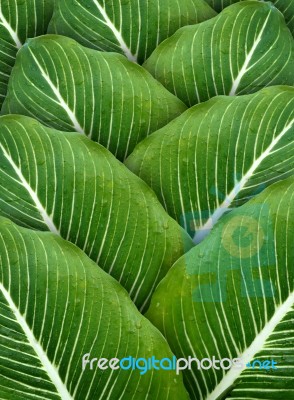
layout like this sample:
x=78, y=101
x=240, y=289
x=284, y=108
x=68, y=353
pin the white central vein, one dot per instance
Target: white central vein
x=12, y=33
x=46, y=218
x=254, y=348
x=47, y=365
x=225, y=206
x=248, y=58
x=60, y=99
x=117, y=34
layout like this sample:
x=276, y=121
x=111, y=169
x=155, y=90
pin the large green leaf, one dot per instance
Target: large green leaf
x=103, y=95
x=55, y=306
x=246, y=47
x=285, y=6
x=233, y=297
x=19, y=20
x=218, y=154
x=65, y=183
x=133, y=28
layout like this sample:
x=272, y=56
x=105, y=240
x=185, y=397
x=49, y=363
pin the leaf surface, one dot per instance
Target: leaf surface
x=246, y=47
x=232, y=296
x=65, y=183
x=102, y=95
x=133, y=28
x=217, y=155
x=285, y=6
x=55, y=306
x=19, y=20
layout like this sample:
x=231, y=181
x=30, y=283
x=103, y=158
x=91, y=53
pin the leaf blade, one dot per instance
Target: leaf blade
x=221, y=153
x=242, y=57
x=18, y=21
x=67, y=184
x=130, y=28
x=64, y=307
x=286, y=7
x=103, y=95
x=235, y=305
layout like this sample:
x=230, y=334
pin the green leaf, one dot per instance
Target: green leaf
x=246, y=47
x=133, y=27
x=285, y=6
x=219, y=5
x=217, y=155
x=103, y=95
x=65, y=183
x=19, y=20
x=55, y=306
x=233, y=297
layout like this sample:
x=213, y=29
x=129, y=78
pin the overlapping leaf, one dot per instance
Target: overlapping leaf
x=63, y=182
x=232, y=296
x=219, y=154
x=55, y=306
x=285, y=6
x=103, y=95
x=133, y=28
x=19, y=20
x=246, y=47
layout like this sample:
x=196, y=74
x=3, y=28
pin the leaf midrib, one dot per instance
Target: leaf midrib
x=48, y=221
x=239, y=186
x=70, y=113
x=12, y=33
x=34, y=343
x=244, y=69
x=117, y=34
x=256, y=346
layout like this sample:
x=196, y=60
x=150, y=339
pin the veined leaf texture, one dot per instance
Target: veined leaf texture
x=146, y=199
